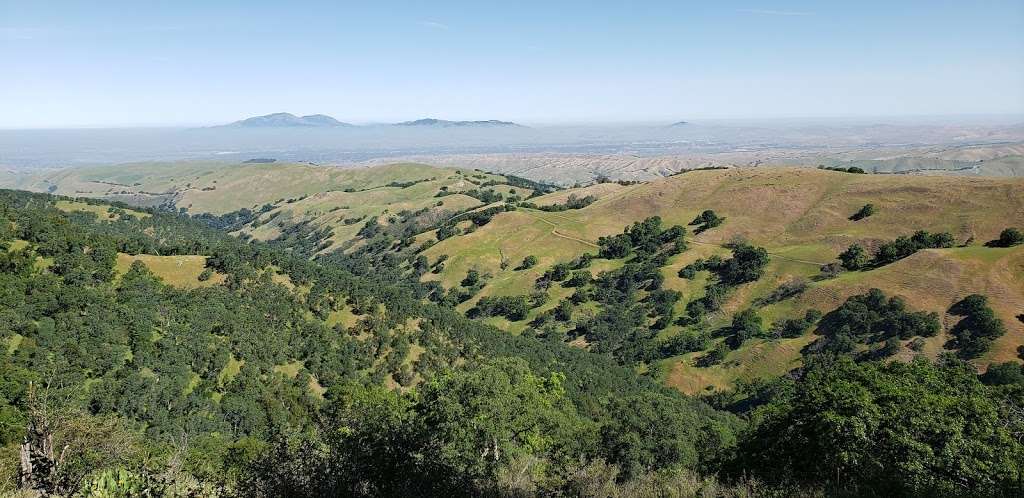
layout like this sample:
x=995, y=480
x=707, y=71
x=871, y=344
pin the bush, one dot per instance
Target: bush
x=528, y=262
x=1008, y=238
x=715, y=356
x=472, y=278
x=707, y=220
x=796, y=327
x=789, y=289
x=867, y=210
x=579, y=279
x=206, y=274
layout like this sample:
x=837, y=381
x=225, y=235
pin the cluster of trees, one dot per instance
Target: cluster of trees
x=872, y=318
x=249, y=371
x=977, y=329
x=538, y=188
x=573, y=202
x=885, y=429
x=852, y=169
x=644, y=239
x=498, y=429
x=746, y=265
x=632, y=304
x=487, y=196
x=856, y=257
x=796, y=327
x=514, y=308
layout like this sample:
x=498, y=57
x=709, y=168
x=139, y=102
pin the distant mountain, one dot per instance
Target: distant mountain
x=288, y=120
x=442, y=123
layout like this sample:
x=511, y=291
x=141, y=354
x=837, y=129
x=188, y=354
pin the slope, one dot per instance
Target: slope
x=802, y=217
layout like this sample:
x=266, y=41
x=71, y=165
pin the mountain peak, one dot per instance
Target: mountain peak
x=288, y=120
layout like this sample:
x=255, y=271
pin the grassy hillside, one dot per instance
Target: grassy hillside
x=338, y=199
x=177, y=271
x=802, y=217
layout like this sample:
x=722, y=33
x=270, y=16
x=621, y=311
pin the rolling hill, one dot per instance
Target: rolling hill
x=799, y=215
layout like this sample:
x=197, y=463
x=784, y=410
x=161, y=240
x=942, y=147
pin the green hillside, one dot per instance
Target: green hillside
x=388, y=218
x=802, y=218
x=282, y=196
x=176, y=356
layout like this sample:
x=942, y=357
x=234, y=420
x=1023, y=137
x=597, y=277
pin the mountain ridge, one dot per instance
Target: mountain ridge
x=287, y=120
x=444, y=123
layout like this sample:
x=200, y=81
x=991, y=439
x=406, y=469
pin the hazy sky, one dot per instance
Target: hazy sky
x=103, y=63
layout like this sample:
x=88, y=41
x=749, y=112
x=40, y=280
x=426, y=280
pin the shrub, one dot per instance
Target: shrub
x=746, y=265
x=528, y=262
x=1008, y=238
x=472, y=278
x=206, y=274
x=865, y=211
x=789, y=289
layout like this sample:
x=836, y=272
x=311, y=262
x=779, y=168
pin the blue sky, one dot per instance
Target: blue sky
x=117, y=63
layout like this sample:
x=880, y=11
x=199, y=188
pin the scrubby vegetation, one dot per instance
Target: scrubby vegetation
x=746, y=265
x=864, y=212
x=706, y=221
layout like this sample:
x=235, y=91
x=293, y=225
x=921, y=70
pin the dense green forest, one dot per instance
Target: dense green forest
x=114, y=383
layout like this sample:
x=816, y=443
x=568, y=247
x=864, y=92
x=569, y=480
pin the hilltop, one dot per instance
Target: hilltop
x=288, y=120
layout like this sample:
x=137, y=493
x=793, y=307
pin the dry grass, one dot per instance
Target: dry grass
x=177, y=271
x=801, y=217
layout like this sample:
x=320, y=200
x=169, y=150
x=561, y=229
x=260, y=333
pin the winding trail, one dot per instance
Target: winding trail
x=556, y=233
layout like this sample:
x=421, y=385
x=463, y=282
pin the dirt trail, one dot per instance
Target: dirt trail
x=556, y=233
